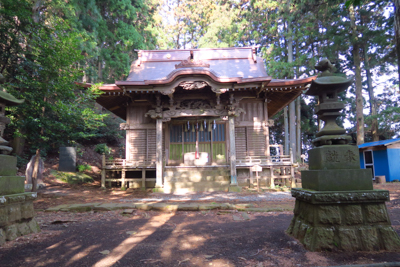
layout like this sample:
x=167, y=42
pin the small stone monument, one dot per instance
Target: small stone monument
x=16, y=206
x=67, y=159
x=337, y=208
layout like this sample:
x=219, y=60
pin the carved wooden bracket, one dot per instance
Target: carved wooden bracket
x=153, y=114
x=193, y=85
x=235, y=111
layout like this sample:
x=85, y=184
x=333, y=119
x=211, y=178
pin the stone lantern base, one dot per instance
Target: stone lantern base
x=16, y=206
x=345, y=220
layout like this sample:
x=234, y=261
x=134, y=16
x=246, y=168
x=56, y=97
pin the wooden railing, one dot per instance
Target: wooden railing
x=122, y=166
x=123, y=163
x=259, y=160
x=281, y=167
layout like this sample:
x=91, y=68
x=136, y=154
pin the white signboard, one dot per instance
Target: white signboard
x=256, y=168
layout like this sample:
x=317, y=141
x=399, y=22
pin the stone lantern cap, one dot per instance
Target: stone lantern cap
x=10, y=100
x=329, y=84
x=5, y=100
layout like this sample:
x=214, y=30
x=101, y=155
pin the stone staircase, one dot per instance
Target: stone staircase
x=196, y=179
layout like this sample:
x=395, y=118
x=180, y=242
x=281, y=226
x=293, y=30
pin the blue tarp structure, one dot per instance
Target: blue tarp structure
x=383, y=157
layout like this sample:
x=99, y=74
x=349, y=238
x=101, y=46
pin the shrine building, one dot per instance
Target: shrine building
x=198, y=120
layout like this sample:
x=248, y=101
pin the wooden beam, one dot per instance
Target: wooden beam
x=143, y=178
x=232, y=149
x=266, y=130
x=159, y=163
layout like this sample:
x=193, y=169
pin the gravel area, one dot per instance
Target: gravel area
x=215, y=196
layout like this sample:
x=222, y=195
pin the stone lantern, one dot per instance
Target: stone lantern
x=5, y=100
x=337, y=208
x=16, y=206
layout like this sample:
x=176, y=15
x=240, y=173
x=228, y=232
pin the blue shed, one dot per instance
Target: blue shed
x=383, y=157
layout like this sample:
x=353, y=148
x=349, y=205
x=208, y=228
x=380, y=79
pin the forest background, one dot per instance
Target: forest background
x=46, y=46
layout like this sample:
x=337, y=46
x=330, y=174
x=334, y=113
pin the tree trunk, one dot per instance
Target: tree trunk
x=372, y=102
x=357, y=65
x=292, y=128
x=100, y=71
x=397, y=33
x=292, y=109
x=35, y=171
x=298, y=128
x=286, y=125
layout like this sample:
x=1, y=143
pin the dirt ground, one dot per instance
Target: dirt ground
x=151, y=238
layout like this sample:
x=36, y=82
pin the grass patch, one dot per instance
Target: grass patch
x=72, y=177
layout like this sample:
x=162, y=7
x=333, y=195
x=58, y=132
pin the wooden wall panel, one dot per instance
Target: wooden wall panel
x=151, y=145
x=240, y=142
x=255, y=141
x=254, y=111
x=136, y=115
x=137, y=140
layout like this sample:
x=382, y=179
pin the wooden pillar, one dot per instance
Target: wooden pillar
x=103, y=171
x=232, y=149
x=272, y=179
x=251, y=185
x=266, y=131
x=123, y=175
x=143, y=178
x=159, y=163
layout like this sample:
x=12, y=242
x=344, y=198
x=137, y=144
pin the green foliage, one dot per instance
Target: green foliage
x=109, y=33
x=84, y=167
x=102, y=149
x=42, y=69
x=72, y=177
x=22, y=161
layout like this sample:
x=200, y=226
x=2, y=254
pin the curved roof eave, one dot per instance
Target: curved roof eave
x=291, y=82
x=190, y=72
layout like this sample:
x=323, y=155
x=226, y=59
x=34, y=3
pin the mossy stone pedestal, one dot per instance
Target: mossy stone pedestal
x=345, y=220
x=16, y=206
x=337, y=207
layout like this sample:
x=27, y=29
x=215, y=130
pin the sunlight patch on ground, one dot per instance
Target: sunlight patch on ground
x=82, y=254
x=55, y=245
x=129, y=243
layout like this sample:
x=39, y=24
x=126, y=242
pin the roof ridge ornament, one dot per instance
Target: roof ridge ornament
x=191, y=63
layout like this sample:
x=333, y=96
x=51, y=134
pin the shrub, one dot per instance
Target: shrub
x=102, y=149
x=84, y=167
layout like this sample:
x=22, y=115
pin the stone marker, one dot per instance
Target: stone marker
x=67, y=159
x=337, y=207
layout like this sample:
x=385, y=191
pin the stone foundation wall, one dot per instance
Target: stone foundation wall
x=17, y=216
x=196, y=179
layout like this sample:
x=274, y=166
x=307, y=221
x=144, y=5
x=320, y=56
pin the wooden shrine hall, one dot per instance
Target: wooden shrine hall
x=198, y=120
